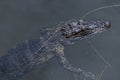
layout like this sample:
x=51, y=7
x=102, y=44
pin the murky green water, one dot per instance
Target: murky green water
x=24, y=19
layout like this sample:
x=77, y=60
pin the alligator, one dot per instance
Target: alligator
x=30, y=54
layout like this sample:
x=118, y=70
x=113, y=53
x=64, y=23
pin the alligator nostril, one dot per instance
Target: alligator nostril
x=107, y=24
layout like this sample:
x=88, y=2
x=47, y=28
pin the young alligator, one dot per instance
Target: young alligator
x=32, y=53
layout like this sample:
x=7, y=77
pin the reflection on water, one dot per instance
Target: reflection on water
x=23, y=19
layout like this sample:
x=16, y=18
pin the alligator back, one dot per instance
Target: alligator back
x=22, y=59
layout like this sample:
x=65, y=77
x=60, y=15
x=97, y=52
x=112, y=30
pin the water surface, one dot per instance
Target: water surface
x=24, y=19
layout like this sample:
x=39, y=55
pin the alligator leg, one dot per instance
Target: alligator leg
x=61, y=57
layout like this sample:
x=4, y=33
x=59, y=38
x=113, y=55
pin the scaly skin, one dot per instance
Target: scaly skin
x=30, y=54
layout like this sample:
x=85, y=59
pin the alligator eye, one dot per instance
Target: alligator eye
x=84, y=31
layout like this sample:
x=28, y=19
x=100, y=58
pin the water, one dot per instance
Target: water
x=24, y=19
